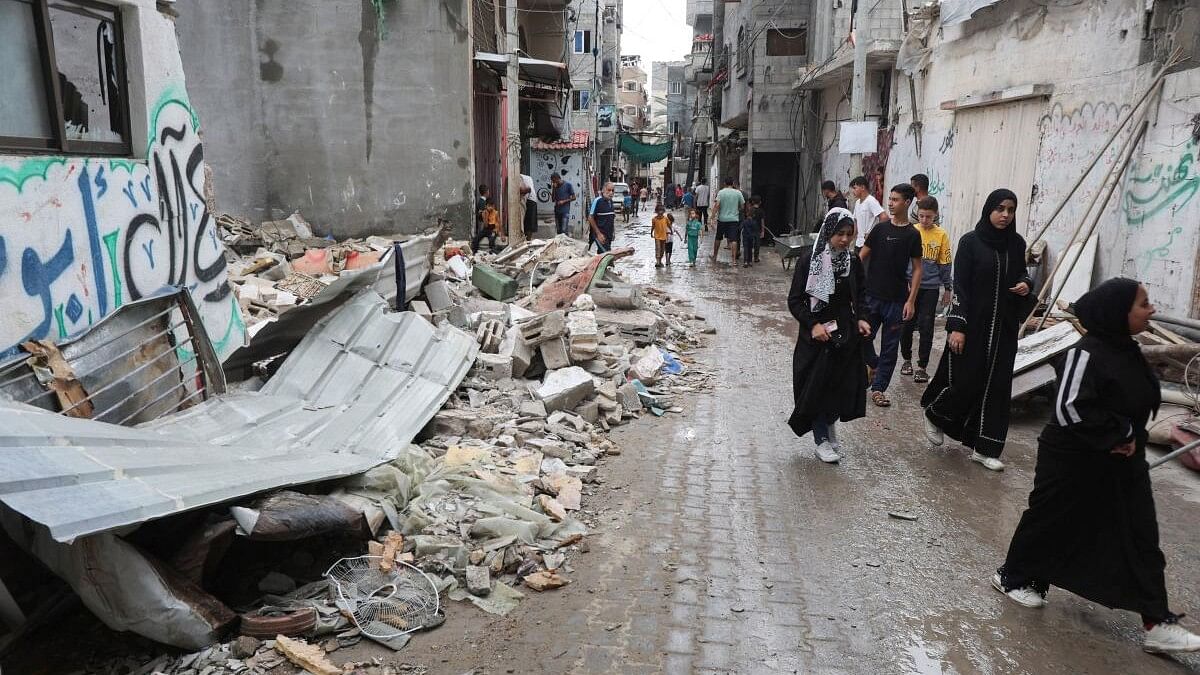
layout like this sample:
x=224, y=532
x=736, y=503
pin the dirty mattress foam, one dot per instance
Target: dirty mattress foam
x=359, y=387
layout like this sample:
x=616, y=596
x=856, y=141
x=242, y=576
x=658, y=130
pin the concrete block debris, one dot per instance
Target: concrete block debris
x=564, y=388
x=554, y=354
x=543, y=327
x=493, y=283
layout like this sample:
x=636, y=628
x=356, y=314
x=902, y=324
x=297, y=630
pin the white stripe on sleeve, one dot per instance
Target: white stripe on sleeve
x=1081, y=361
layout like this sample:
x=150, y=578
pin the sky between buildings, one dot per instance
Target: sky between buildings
x=656, y=31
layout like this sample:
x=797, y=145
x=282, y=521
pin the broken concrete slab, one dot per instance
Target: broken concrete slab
x=629, y=397
x=554, y=354
x=545, y=581
x=615, y=295
x=564, y=388
x=648, y=365
x=533, y=409
x=639, y=325
x=589, y=410
x=551, y=507
x=515, y=346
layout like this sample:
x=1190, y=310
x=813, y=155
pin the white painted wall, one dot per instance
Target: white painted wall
x=1089, y=52
x=81, y=236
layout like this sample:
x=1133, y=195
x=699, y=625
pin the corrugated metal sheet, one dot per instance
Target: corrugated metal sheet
x=958, y=11
x=356, y=391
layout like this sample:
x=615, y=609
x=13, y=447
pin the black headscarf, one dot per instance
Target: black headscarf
x=989, y=234
x=1104, y=310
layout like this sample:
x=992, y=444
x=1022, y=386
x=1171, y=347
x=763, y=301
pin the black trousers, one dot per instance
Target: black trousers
x=926, y=310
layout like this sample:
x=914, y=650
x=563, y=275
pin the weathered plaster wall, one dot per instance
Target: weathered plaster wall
x=1090, y=53
x=79, y=236
x=362, y=131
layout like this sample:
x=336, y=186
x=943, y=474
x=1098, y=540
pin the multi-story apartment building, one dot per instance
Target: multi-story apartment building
x=594, y=46
x=697, y=74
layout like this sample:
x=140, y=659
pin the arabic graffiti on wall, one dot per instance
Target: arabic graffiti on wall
x=1158, y=187
x=79, y=237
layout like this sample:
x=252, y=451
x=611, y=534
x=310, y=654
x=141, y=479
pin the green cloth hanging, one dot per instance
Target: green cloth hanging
x=644, y=153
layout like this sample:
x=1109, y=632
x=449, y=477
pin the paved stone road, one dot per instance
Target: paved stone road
x=725, y=546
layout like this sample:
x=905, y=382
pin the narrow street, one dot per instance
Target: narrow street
x=726, y=547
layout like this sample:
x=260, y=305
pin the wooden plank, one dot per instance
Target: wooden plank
x=1044, y=345
x=1031, y=380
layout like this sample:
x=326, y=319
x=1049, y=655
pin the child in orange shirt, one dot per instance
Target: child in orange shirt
x=662, y=227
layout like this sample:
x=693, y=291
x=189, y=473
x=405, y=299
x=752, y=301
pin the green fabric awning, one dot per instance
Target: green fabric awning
x=641, y=152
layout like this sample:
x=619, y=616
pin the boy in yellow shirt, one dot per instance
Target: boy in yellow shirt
x=662, y=227
x=935, y=281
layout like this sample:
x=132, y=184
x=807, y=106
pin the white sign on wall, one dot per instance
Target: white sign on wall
x=858, y=138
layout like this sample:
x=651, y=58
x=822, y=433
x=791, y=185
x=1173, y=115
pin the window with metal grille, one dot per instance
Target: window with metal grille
x=64, y=89
x=675, y=88
x=580, y=98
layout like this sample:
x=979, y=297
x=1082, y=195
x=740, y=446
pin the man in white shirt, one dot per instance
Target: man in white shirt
x=702, y=196
x=867, y=210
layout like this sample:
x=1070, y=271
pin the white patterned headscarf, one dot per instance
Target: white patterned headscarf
x=826, y=264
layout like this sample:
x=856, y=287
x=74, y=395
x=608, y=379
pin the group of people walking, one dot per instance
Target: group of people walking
x=1090, y=527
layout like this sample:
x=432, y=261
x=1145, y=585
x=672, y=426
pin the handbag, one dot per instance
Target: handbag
x=837, y=337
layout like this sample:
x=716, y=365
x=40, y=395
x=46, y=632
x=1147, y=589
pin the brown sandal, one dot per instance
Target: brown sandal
x=880, y=399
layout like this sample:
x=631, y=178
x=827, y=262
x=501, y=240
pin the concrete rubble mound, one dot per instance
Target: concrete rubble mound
x=475, y=474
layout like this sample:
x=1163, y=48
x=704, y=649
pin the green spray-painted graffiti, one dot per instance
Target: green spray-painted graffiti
x=35, y=167
x=1166, y=185
x=1162, y=251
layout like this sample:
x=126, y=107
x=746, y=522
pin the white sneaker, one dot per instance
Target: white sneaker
x=933, y=432
x=1026, y=597
x=833, y=440
x=988, y=462
x=1170, y=638
x=827, y=454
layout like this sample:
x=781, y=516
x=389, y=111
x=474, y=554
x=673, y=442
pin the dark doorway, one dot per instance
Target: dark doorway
x=774, y=179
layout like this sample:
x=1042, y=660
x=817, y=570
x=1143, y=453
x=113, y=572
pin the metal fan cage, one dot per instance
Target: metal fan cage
x=384, y=604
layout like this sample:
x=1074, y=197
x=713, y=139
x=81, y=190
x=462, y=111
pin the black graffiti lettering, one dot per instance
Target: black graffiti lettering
x=140, y=220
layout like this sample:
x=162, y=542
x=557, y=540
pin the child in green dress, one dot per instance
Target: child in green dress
x=694, y=227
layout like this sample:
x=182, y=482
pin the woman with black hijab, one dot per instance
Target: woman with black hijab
x=970, y=394
x=1090, y=527
x=829, y=378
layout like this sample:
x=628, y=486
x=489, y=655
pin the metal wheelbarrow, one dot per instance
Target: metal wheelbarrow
x=791, y=246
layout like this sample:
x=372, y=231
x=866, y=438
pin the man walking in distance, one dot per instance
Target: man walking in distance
x=920, y=183
x=702, y=197
x=563, y=193
x=891, y=299
x=730, y=203
x=867, y=211
x=602, y=219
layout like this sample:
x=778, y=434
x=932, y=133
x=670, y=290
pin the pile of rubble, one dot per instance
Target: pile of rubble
x=279, y=265
x=489, y=504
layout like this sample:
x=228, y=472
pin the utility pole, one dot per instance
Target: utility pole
x=858, y=86
x=512, y=132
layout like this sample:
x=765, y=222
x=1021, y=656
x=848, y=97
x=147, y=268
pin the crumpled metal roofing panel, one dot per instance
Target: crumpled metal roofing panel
x=354, y=392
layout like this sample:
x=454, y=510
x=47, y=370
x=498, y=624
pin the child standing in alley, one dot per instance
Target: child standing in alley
x=751, y=231
x=935, y=281
x=660, y=230
x=672, y=235
x=694, y=227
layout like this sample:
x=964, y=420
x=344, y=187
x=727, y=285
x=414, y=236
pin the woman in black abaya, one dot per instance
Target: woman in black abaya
x=1091, y=527
x=970, y=394
x=829, y=379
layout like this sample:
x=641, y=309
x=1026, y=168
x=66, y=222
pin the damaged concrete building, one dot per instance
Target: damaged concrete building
x=949, y=103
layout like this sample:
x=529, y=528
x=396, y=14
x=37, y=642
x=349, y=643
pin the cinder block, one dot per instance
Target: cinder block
x=554, y=354
x=564, y=388
x=543, y=327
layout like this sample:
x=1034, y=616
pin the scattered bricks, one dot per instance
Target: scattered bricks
x=479, y=580
x=493, y=284
x=589, y=410
x=493, y=367
x=514, y=346
x=617, y=295
x=554, y=354
x=438, y=295
x=583, y=335
x=422, y=310
x=639, y=325
x=533, y=409
x=489, y=335
x=628, y=396
x=544, y=327
x=564, y=388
